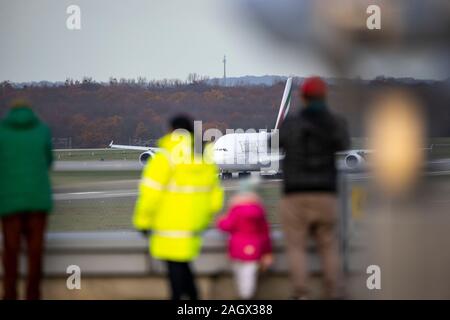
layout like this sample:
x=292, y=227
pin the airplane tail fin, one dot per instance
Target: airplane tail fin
x=285, y=103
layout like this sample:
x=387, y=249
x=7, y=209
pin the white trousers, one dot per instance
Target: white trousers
x=245, y=275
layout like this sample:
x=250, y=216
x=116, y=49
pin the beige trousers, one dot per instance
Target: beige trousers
x=311, y=214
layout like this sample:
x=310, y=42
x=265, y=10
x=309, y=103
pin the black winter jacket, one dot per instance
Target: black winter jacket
x=310, y=141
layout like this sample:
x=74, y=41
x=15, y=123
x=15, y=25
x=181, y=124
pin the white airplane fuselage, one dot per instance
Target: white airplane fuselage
x=243, y=152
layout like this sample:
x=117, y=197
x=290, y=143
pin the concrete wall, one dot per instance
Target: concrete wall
x=116, y=265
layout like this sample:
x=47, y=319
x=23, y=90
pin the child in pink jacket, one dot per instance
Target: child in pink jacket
x=249, y=245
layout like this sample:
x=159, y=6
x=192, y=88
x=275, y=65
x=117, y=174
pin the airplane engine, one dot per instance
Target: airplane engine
x=145, y=156
x=354, y=160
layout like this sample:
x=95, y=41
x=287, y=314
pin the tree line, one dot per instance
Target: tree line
x=93, y=113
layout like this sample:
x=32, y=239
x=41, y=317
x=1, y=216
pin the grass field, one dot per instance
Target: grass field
x=70, y=179
x=92, y=214
x=114, y=213
x=95, y=154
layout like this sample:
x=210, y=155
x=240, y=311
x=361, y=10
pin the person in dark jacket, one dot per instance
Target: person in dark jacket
x=25, y=194
x=310, y=141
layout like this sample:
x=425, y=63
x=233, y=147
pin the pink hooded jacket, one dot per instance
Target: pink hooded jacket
x=249, y=231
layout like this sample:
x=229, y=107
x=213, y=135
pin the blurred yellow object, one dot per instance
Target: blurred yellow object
x=359, y=197
x=178, y=197
x=396, y=134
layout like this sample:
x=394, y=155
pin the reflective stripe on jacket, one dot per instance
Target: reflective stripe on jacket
x=178, y=196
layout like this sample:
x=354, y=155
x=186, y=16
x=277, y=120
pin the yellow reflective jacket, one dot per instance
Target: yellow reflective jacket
x=179, y=194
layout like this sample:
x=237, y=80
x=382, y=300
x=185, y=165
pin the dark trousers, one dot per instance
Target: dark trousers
x=181, y=280
x=32, y=226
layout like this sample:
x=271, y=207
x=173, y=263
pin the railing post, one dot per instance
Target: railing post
x=343, y=218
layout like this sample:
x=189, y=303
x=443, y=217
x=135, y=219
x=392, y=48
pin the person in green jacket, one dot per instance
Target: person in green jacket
x=25, y=194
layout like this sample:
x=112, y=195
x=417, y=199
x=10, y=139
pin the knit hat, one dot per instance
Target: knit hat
x=313, y=87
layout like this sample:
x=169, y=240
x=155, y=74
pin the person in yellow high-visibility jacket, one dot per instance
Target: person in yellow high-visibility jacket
x=179, y=194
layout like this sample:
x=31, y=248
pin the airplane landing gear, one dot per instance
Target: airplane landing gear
x=244, y=174
x=226, y=175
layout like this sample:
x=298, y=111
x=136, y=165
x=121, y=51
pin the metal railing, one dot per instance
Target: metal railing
x=356, y=191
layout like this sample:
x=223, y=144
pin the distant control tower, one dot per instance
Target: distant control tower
x=224, y=70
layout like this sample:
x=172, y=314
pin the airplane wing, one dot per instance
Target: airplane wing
x=126, y=147
x=368, y=151
x=271, y=158
x=360, y=151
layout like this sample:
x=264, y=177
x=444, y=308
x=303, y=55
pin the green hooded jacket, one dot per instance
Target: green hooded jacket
x=25, y=159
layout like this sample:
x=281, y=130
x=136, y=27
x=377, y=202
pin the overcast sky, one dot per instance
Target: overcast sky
x=130, y=38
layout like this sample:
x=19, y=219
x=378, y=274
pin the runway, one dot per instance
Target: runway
x=95, y=194
x=112, y=165
x=125, y=188
x=101, y=195
x=104, y=194
x=126, y=165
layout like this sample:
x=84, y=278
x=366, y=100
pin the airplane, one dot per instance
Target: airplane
x=355, y=159
x=235, y=152
x=249, y=151
x=246, y=152
x=148, y=152
x=358, y=159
